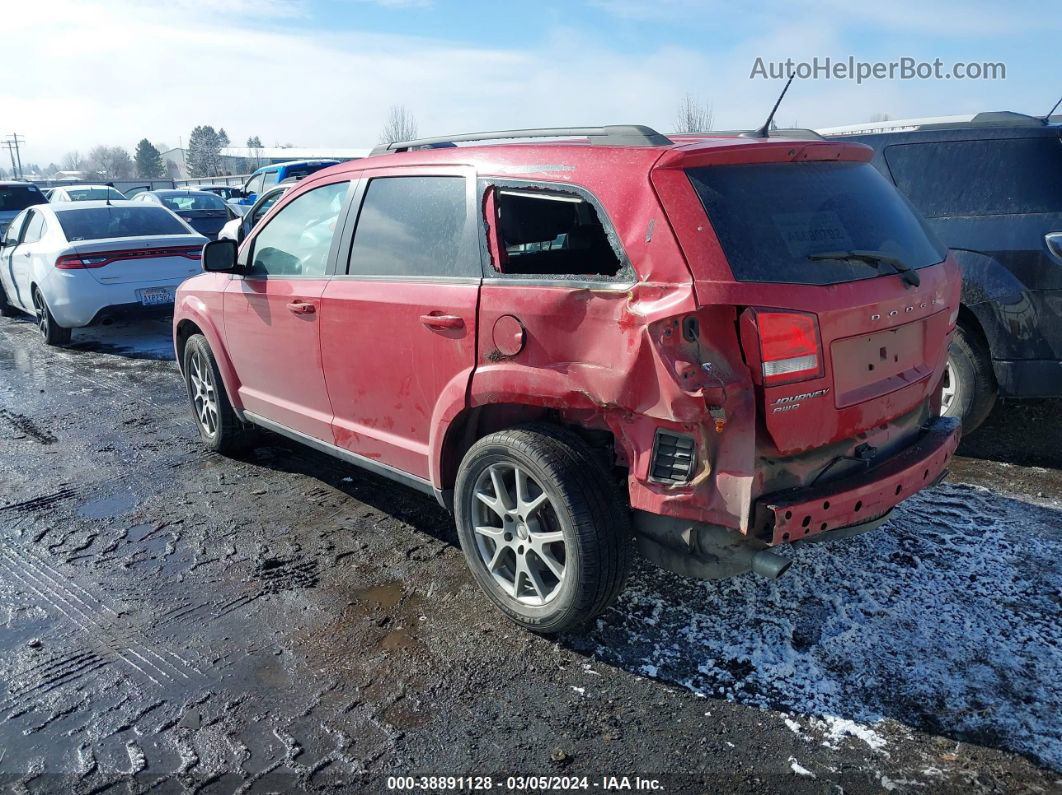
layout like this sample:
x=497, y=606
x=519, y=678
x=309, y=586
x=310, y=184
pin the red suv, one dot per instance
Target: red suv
x=702, y=348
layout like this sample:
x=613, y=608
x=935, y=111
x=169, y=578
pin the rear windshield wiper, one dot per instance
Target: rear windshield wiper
x=907, y=273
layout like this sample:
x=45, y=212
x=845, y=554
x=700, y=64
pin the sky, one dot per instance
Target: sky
x=323, y=73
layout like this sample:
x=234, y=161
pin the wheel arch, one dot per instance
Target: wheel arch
x=193, y=319
x=476, y=422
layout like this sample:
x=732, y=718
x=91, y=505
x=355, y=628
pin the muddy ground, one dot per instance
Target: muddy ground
x=173, y=620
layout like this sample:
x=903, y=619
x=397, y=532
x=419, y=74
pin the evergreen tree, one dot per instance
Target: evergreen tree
x=148, y=161
x=203, y=152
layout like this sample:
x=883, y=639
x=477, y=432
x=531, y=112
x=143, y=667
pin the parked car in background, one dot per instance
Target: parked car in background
x=85, y=193
x=990, y=186
x=724, y=345
x=238, y=228
x=227, y=192
x=268, y=176
x=205, y=212
x=16, y=197
x=75, y=264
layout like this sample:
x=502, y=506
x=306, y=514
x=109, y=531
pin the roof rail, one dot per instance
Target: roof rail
x=609, y=135
x=1004, y=118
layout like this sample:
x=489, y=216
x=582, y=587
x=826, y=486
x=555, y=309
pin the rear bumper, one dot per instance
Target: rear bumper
x=1029, y=378
x=800, y=513
x=124, y=311
x=79, y=300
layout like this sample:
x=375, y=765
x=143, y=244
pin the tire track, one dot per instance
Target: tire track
x=100, y=623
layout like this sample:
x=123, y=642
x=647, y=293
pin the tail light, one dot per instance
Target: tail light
x=98, y=259
x=790, y=346
x=69, y=262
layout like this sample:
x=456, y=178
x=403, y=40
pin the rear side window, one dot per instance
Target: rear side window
x=414, y=226
x=296, y=241
x=772, y=219
x=553, y=234
x=99, y=223
x=990, y=177
x=34, y=230
x=19, y=197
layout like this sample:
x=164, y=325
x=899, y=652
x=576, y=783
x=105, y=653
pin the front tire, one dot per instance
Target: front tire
x=219, y=427
x=51, y=332
x=542, y=526
x=969, y=389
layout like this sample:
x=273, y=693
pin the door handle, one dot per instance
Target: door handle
x=442, y=321
x=301, y=308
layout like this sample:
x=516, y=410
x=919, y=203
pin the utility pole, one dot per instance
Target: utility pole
x=12, y=148
x=11, y=152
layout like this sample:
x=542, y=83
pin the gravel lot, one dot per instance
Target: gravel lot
x=176, y=620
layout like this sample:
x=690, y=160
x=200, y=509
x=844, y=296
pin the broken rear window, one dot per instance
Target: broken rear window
x=552, y=234
x=773, y=219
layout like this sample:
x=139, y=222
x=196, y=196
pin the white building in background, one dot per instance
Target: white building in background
x=243, y=160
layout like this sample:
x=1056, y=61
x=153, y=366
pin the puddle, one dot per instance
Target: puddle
x=397, y=640
x=387, y=595
x=106, y=507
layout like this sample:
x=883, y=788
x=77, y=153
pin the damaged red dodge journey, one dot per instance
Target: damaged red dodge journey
x=702, y=348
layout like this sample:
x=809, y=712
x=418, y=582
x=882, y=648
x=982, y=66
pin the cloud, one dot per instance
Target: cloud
x=119, y=71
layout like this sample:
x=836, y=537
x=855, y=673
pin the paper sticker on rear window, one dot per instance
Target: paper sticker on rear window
x=806, y=233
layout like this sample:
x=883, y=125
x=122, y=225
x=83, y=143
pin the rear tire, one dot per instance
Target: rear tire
x=542, y=526
x=51, y=332
x=219, y=427
x=969, y=390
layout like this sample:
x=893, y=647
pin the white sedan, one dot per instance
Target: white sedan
x=84, y=193
x=78, y=263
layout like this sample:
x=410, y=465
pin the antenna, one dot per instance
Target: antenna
x=763, y=132
x=1047, y=118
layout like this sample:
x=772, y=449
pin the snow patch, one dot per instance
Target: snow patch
x=943, y=620
x=797, y=768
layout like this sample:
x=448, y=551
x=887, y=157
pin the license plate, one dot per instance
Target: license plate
x=153, y=296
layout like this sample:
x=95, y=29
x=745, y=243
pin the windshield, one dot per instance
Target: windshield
x=93, y=194
x=98, y=223
x=192, y=201
x=770, y=219
x=19, y=197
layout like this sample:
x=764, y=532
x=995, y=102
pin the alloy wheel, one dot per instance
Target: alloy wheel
x=40, y=310
x=949, y=390
x=204, y=393
x=518, y=534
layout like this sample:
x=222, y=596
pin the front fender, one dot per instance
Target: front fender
x=192, y=308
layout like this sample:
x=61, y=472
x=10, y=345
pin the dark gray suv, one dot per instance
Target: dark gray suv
x=991, y=188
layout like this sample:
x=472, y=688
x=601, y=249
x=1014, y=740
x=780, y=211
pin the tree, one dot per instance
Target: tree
x=148, y=161
x=254, y=143
x=400, y=126
x=204, y=152
x=72, y=161
x=693, y=116
x=108, y=162
x=223, y=138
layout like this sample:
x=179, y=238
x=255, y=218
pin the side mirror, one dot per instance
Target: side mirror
x=219, y=256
